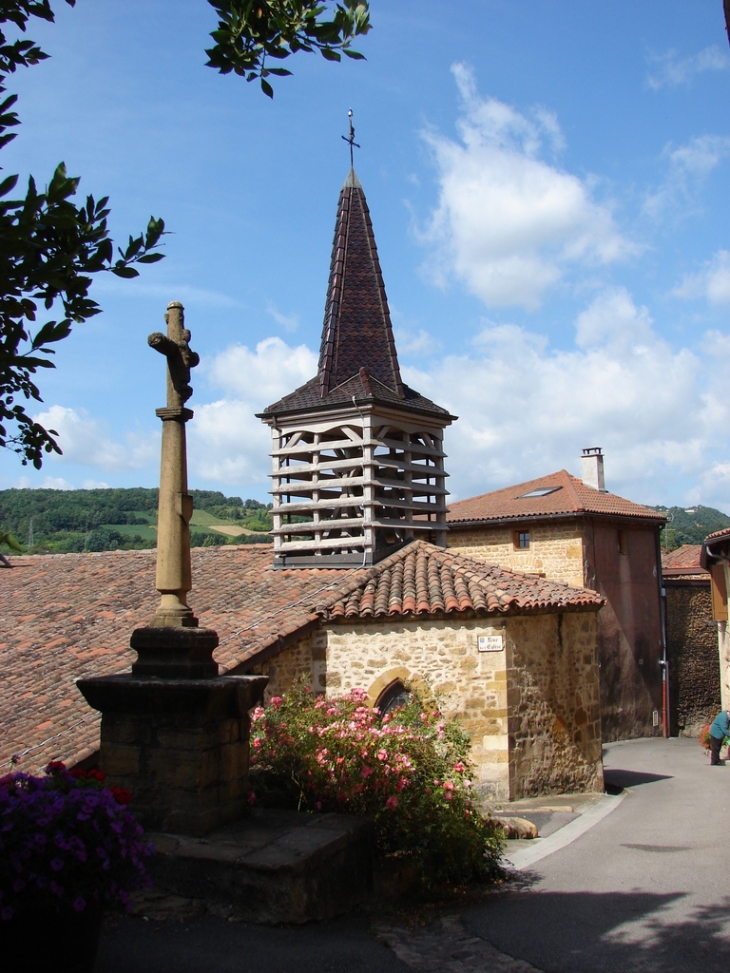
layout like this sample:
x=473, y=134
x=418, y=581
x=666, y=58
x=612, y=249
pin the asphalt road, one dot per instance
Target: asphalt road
x=647, y=888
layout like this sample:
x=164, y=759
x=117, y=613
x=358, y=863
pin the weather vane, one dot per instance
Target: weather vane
x=350, y=139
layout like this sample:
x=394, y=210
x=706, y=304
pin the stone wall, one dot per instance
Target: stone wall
x=556, y=549
x=618, y=559
x=531, y=710
x=554, y=696
x=694, y=665
x=304, y=660
x=440, y=658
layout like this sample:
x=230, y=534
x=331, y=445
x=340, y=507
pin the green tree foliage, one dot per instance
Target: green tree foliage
x=49, y=247
x=103, y=519
x=253, y=33
x=690, y=525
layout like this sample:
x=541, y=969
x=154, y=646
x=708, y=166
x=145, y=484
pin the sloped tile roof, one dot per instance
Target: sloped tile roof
x=362, y=387
x=564, y=494
x=422, y=579
x=718, y=535
x=68, y=616
x=71, y=615
x=684, y=561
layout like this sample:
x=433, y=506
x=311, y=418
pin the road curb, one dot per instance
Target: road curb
x=539, y=848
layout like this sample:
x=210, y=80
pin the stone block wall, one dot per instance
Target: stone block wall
x=304, y=660
x=556, y=550
x=531, y=710
x=554, y=705
x=440, y=658
x=694, y=664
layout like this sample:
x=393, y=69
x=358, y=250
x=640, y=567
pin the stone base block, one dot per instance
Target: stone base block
x=273, y=866
x=181, y=746
x=174, y=652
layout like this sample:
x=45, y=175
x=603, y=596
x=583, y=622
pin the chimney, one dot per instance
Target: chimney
x=593, y=475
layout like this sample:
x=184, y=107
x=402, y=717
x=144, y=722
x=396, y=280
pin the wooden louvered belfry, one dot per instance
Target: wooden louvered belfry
x=358, y=460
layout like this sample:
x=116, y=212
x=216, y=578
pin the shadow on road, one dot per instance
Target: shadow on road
x=612, y=932
x=616, y=780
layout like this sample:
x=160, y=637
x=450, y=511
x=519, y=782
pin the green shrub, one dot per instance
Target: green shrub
x=408, y=771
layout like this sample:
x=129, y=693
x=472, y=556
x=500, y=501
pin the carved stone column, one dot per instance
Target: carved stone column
x=174, y=732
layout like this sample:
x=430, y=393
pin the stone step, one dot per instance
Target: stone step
x=272, y=866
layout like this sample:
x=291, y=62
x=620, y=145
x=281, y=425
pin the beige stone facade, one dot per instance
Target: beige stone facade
x=556, y=550
x=531, y=709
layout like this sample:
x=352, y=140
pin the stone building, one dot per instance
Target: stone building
x=358, y=461
x=358, y=591
x=359, y=481
x=694, y=669
x=575, y=531
x=715, y=557
x=512, y=657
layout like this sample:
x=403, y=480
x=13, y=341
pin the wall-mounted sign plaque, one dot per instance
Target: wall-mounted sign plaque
x=490, y=643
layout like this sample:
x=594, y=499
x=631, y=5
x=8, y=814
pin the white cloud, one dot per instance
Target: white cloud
x=47, y=483
x=414, y=342
x=688, y=166
x=289, y=322
x=526, y=409
x=86, y=441
x=711, y=283
x=228, y=444
x=672, y=71
x=94, y=485
x=508, y=223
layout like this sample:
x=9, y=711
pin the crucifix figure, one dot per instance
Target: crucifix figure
x=350, y=139
x=173, y=579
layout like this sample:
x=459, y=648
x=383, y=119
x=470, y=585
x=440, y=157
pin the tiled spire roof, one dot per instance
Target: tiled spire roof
x=357, y=332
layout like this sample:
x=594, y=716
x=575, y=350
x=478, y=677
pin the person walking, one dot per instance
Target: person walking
x=719, y=730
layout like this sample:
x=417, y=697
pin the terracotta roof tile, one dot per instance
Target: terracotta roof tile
x=718, y=534
x=69, y=616
x=684, y=561
x=424, y=579
x=556, y=494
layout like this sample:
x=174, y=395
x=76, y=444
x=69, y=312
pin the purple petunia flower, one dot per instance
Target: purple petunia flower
x=79, y=903
x=56, y=864
x=6, y=912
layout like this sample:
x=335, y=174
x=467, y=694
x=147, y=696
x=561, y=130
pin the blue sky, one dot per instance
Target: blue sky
x=548, y=186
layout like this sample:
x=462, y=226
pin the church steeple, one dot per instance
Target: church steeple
x=357, y=331
x=358, y=463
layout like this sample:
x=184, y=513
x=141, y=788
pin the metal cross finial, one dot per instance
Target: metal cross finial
x=351, y=139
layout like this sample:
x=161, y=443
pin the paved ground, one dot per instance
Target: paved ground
x=646, y=887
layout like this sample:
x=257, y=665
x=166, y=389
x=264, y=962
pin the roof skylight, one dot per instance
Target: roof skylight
x=539, y=492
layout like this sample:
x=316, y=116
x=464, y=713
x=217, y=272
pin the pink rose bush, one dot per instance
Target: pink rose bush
x=408, y=771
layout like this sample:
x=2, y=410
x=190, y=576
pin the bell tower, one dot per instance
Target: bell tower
x=358, y=460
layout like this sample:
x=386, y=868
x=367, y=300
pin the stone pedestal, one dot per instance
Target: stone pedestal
x=179, y=745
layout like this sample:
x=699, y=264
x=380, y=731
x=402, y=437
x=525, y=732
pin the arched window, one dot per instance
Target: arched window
x=392, y=697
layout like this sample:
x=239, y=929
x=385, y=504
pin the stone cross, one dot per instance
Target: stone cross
x=173, y=579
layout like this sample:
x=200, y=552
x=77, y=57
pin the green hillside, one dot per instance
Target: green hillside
x=690, y=525
x=60, y=521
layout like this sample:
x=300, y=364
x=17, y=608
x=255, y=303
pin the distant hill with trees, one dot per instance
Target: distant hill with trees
x=61, y=521
x=690, y=525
